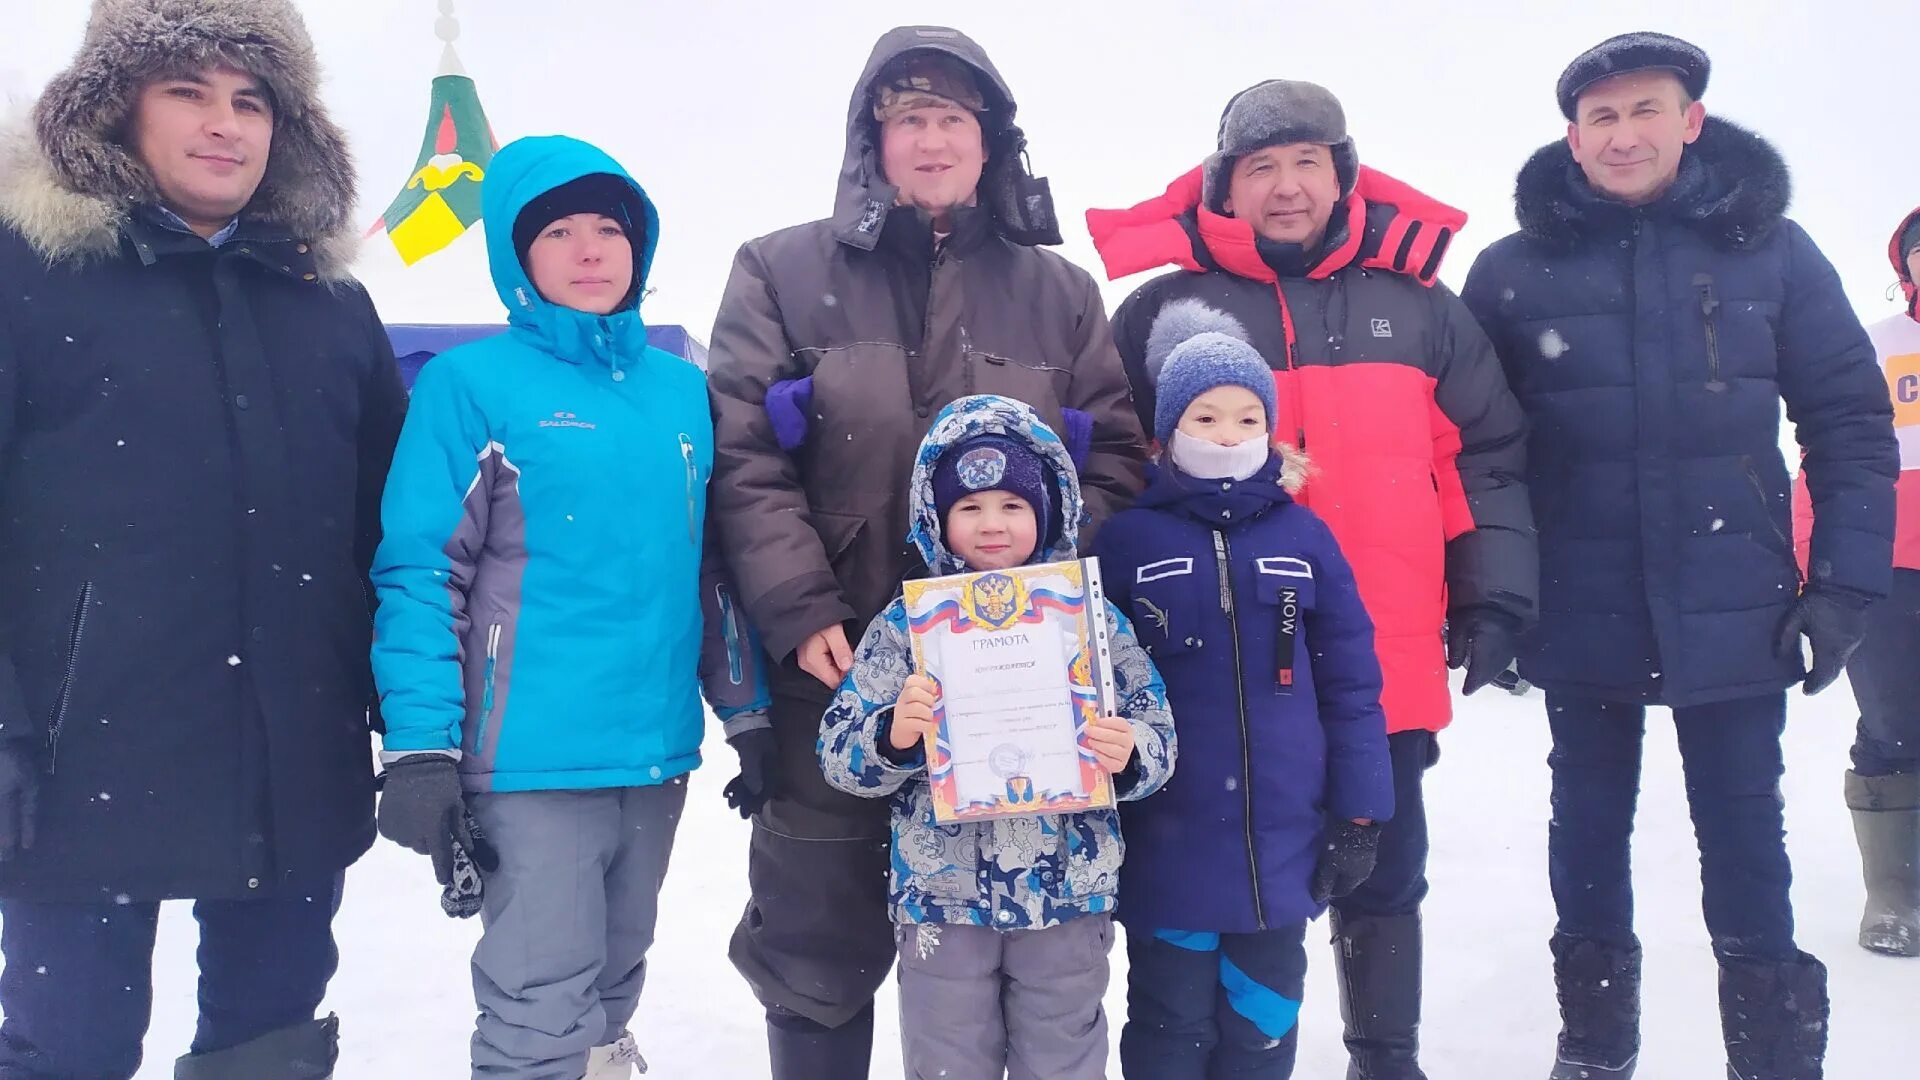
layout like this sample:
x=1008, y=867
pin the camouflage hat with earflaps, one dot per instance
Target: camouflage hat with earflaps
x=926, y=78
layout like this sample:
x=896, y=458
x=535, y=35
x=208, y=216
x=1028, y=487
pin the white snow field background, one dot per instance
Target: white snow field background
x=406, y=1006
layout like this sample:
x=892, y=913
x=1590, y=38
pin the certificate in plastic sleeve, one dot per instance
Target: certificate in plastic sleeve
x=1023, y=666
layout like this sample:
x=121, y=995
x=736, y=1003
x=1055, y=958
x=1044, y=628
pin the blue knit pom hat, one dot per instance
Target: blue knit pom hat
x=1193, y=348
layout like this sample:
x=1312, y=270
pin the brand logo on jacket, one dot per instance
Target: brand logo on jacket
x=566, y=419
x=1382, y=328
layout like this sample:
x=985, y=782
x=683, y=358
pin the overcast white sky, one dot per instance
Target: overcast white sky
x=730, y=112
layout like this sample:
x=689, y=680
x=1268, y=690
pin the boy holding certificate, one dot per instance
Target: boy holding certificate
x=1003, y=923
x=1250, y=610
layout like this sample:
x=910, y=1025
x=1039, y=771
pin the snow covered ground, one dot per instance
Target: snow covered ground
x=405, y=1005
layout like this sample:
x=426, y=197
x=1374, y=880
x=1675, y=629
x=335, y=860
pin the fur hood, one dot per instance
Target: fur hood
x=66, y=182
x=1733, y=189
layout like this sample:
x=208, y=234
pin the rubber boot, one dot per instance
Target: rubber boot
x=1599, y=988
x=305, y=1051
x=801, y=1049
x=1377, y=963
x=1773, y=1014
x=1886, y=821
x=617, y=1060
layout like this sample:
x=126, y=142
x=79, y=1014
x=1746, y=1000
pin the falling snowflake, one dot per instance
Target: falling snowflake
x=233, y=661
x=1552, y=345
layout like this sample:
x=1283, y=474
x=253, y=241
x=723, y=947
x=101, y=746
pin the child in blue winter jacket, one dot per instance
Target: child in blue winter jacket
x=548, y=603
x=1002, y=926
x=1252, y=616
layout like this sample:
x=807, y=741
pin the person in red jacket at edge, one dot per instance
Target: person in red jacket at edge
x=1387, y=382
x=1883, y=787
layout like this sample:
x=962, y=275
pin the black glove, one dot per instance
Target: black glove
x=422, y=810
x=759, y=778
x=19, y=799
x=1346, y=859
x=1834, y=620
x=1483, y=640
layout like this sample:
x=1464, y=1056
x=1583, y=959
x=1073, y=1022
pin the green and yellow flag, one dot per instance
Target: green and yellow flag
x=441, y=199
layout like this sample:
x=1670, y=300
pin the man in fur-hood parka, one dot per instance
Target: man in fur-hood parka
x=1653, y=313
x=200, y=408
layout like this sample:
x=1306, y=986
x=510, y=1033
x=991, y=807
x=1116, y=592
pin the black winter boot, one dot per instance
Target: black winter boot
x=1377, y=960
x=1599, y=988
x=801, y=1049
x=1773, y=1014
x=1886, y=821
x=301, y=1052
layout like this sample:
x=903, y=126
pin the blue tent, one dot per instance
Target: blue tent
x=416, y=343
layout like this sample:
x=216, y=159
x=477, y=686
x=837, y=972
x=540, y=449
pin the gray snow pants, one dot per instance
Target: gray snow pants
x=982, y=1004
x=569, y=916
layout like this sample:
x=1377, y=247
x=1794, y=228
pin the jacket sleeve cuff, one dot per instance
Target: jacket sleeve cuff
x=744, y=721
x=388, y=757
x=796, y=610
x=1128, y=778
x=911, y=760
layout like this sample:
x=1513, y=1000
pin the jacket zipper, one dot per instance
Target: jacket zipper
x=486, y=697
x=693, y=486
x=730, y=630
x=926, y=332
x=65, y=700
x=1766, y=510
x=1709, y=303
x=1223, y=558
x=1293, y=383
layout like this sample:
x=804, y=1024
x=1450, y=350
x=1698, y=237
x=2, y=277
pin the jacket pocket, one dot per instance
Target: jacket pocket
x=941, y=861
x=63, y=702
x=1032, y=379
x=1710, y=318
x=1782, y=544
x=1284, y=586
x=693, y=488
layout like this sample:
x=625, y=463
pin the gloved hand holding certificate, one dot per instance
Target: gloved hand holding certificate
x=1022, y=666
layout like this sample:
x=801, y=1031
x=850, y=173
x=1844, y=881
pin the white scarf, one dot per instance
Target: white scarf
x=1205, y=460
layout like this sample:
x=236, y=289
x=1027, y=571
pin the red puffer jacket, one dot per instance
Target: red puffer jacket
x=1387, y=382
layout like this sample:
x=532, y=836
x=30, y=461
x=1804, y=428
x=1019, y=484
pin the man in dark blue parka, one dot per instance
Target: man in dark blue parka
x=1652, y=313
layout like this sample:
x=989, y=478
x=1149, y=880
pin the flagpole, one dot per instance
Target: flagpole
x=447, y=29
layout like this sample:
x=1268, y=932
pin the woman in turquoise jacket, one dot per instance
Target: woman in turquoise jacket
x=539, y=645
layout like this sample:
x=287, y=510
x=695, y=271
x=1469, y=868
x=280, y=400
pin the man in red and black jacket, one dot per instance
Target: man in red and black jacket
x=1389, y=385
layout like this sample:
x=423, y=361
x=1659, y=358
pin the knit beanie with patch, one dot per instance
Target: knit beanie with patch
x=994, y=462
x=1279, y=112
